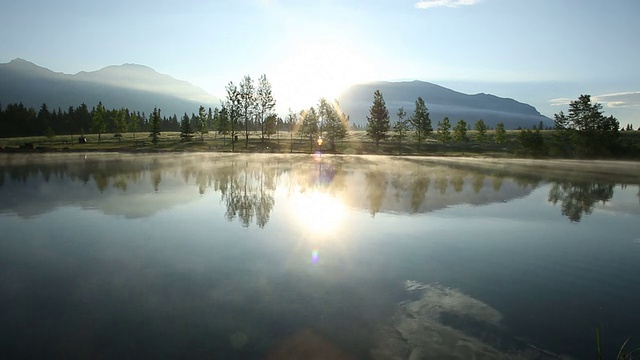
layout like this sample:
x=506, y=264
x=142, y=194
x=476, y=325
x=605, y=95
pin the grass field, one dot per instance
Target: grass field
x=355, y=143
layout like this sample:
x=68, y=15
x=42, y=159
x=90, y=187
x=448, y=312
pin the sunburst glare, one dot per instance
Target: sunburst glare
x=318, y=212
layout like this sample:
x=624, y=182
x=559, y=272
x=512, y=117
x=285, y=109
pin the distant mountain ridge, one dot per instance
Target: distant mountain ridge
x=441, y=102
x=136, y=87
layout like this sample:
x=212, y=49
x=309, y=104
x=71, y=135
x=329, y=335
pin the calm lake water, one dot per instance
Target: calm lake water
x=241, y=257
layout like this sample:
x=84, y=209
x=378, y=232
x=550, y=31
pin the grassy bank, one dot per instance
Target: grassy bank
x=355, y=143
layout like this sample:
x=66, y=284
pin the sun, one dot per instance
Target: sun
x=318, y=212
x=316, y=69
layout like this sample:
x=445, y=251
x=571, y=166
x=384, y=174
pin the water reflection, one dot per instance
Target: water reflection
x=321, y=186
x=578, y=199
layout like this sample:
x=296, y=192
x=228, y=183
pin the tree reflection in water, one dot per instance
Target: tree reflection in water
x=247, y=184
x=579, y=198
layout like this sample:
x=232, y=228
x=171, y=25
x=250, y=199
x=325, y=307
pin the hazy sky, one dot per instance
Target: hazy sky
x=541, y=52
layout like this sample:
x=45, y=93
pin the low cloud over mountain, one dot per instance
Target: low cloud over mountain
x=135, y=87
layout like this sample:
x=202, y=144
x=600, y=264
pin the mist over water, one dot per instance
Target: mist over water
x=251, y=256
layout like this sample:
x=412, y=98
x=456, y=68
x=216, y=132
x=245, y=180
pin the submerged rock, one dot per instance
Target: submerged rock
x=444, y=323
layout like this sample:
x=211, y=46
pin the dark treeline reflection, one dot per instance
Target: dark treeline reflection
x=578, y=198
x=247, y=185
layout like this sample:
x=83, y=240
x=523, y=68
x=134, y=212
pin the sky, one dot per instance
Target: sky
x=541, y=52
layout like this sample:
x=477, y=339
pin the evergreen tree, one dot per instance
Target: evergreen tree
x=120, y=122
x=444, y=133
x=134, y=124
x=481, y=131
x=421, y=122
x=309, y=127
x=99, y=121
x=460, y=132
x=201, y=122
x=591, y=132
x=500, y=136
x=401, y=127
x=186, y=132
x=333, y=120
x=222, y=122
x=378, y=119
x=44, y=118
x=154, y=125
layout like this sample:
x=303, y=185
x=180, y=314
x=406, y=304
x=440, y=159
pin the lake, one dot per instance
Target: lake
x=338, y=257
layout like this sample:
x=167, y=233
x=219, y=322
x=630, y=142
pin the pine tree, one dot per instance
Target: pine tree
x=401, y=127
x=500, y=136
x=99, y=121
x=460, y=132
x=444, y=133
x=120, y=121
x=154, y=125
x=333, y=121
x=186, y=132
x=481, y=128
x=201, y=122
x=421, y=122
x=378, y=119
x=309, y=127
x=264, y=101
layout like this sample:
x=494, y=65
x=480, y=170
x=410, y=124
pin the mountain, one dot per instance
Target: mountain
x=135, y=87
x=441, y=102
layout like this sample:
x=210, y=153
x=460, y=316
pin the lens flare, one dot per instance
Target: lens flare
x=315, y=256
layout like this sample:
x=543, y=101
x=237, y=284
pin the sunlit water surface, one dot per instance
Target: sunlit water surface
x=239, y=257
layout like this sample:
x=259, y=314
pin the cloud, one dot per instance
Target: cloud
x=560, y=101
x=427, y=4
x=614, y=100
x=618, y=100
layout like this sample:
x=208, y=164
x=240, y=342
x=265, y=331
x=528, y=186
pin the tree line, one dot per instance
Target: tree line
x=250, y=108
x=420, y=127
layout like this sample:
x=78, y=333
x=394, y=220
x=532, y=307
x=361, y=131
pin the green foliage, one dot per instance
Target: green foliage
x=154, y=125
x=401, y=127
x=233, y=107
x=269, y=127
x=500, y=136
x=532, y=142
x=378, y=119
x=421, y=122
x=186, y=132
x=481, y=131
x=134, y=124
x=49, y=133
x=120, y=121
x=586, y=128
x=99, y=120
x=264, y=102
x=201, y=122
x=444, y=132
x=333, y=121
x=460, y=132
x=247, y=103
x=309, y=126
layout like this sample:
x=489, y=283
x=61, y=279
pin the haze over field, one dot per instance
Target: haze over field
x=543, y=53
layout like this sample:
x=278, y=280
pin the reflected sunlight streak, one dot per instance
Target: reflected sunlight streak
x=318, y=212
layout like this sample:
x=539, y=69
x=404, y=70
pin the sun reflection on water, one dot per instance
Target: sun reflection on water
x=319, y=213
